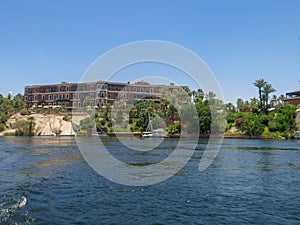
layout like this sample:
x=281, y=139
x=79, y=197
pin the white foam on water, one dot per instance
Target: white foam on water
x=12, y=209
x=22, y=202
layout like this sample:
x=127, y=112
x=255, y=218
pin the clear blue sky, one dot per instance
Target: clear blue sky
x=47, y=41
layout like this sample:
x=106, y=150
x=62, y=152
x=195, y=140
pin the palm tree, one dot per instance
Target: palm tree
x=198, y=95
x=260, y=83
x=274, y=100
x=267, y=89
x=281, y=98
x=230, y=107
x=240, y=104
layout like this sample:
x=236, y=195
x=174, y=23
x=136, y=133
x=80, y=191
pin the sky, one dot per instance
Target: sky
x=49, y=41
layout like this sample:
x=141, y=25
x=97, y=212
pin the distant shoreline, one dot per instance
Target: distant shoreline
x=139, y=134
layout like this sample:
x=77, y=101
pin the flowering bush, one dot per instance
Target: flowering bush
x=238, y=121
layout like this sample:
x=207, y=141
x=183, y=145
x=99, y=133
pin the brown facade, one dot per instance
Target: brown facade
x=92, y=94
x=293, y=98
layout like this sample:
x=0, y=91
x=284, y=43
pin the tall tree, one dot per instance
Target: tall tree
x=240, y=104
x=267, y=89
x=274, y=100
x=260, y=83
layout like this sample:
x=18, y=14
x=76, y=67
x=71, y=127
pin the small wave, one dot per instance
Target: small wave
x=22, y=202
x=12, y=209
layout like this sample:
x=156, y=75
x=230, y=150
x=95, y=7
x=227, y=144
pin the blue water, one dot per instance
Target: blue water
x=46, y=181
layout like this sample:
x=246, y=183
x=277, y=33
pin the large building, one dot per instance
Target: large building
x=293, y=98
x=92, y=94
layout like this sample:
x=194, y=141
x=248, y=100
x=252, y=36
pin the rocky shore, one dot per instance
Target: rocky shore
x=45, y=124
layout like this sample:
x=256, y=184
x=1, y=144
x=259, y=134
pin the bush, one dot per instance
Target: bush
x=87, y=123
x=174, y=128
x=252, y=125
x=3, y=117
x=82, y=132
x=9, y=134
x=67, y=118
x=24, y=112
x=23, y=127
x=2, y=127
x=272, y=126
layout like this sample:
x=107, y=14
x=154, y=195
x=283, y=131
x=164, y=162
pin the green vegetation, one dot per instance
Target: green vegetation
x=8, y=106
x=180, y=111
x=194, y=108
x=262, y=116
x=24, y=127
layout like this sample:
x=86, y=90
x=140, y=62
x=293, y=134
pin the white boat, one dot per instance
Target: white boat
x=150, y=132
x=95, y=133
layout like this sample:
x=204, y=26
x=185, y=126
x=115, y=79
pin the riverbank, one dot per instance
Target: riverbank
x=58, y=124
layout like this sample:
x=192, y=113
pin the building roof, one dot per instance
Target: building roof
x=293, y=92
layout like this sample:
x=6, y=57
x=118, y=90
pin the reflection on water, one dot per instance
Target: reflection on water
x=46, y=181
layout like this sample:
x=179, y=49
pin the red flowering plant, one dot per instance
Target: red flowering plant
x=238, y=121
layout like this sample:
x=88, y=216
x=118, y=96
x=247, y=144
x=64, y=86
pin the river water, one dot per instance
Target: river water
x=47, y=181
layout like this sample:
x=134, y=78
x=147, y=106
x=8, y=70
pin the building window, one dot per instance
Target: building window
x=25, y=98
x=67, y=88
x=62, y=88
x=43, y=97
x=92, y=87
x=109, y=96
x=91, y=95
x=35, y=98
x=67, y=96
x=50, y=97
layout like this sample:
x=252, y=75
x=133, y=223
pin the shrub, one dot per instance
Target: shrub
x=24, y=112
x=3, y=117
x=272, y=126
x=174, y=128
x=2, y=127
x=238, y=121
x=23, y=127
x=252, y=125
x=67, y=118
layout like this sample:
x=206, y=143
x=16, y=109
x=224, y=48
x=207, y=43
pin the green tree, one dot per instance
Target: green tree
x=31, y=124
x=240, y=105
x=252, y=125
x=260, y=83
x=18, y=102
x=204, y=115
x=267, y=89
